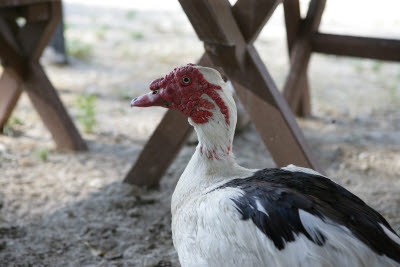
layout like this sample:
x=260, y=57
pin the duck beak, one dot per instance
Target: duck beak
x=149, y=100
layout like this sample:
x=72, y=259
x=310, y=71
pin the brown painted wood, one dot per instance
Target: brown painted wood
x=291, y=9
x=13, y=3
x=299, y=59
x=35, y=35
x=300, y=54
x=293, y=21
x=160, y=150
x=274, y=120
x=51, y=109
x=364, y=47
x=251, y=16
x=10, y=91
x=20, y=50
x=37, y=12
x=8, y=27
x=9, y=52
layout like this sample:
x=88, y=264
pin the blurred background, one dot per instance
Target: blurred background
x=71, y=209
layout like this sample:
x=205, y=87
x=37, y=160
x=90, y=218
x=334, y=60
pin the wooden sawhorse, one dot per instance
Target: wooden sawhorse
x=228, y=34
x=20, y=49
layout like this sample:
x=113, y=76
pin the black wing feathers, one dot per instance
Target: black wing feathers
x=283, y=193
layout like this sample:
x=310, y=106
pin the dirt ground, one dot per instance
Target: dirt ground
x=71, y=209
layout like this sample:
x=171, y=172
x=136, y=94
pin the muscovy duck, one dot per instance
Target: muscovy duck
x=226, y=215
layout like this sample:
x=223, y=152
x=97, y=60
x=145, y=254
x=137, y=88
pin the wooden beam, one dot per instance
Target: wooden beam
x=10, y=91
x=274, y=120
x=354, y=46
x=251, y=16
x=37, y=12
x=293, y=21
x=9, y=51
x=301, y=53
x=14, y=3
x=35, y=35
x=291, y=9
x=51, y=110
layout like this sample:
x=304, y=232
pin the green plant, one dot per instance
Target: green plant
x=131, y=14
x=358, y=66
x=41, y=153
x=376, y=66
x=78, y=49
x=102, y=31
x=125, y=94
x=137, y=35
x=86, y=111
x=68, y=26
x=392, y=91
x=11, y=123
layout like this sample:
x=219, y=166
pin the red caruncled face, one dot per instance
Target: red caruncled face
x=182, y=89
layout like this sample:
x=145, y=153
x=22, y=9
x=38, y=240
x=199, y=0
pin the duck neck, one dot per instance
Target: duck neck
x=215, y=141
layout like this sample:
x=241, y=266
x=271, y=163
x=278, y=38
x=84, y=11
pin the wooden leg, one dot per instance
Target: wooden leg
x=160, y=150
x=296, y=85
x=51, y=110
x=273, y=119
x=296, y=90
x=10, y=91
x=301, y=108
x=304, y=107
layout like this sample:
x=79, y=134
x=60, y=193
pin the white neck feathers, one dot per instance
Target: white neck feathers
x=213, y=161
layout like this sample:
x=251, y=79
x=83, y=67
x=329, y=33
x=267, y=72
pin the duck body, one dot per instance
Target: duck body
x=277, y=217
x=226, y=215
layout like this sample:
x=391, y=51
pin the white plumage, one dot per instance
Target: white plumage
x=227, y=215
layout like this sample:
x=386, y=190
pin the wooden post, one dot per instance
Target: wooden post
x=51, y=110
x=160, y=150
x=10, y=90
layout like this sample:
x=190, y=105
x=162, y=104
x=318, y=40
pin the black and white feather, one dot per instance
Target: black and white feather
x=227, y=215
x=285, y=205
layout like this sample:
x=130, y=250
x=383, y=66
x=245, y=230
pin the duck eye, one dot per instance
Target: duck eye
x=155, y=92
x=185, y=80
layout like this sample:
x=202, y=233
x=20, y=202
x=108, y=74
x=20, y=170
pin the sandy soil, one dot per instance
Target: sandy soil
x=71, y=209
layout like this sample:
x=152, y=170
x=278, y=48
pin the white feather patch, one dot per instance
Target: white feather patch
x=392, y=236
x=261, y=208
x=294, y=168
